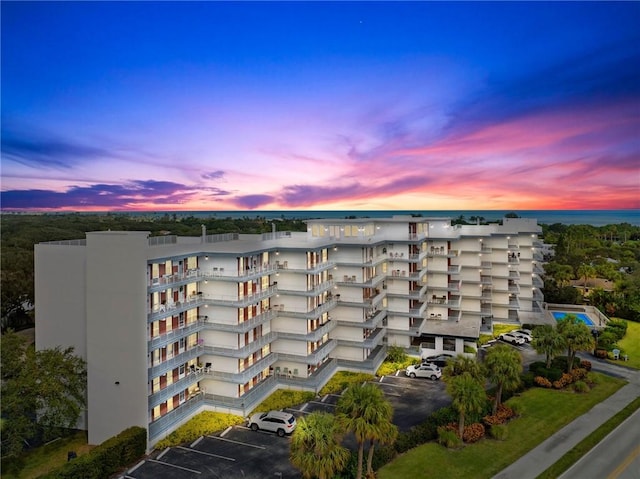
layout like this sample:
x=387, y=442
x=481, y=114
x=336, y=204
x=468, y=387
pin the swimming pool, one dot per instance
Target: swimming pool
x=558, y=315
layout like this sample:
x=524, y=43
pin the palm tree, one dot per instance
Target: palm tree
x=577, y=337
x=464, y=364
x=468, y=396
x=548, y=341
x=315, y=446
x=587, y=272
x=364, y=411
x=503, y=365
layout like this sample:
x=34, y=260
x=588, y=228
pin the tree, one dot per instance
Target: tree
x=364, y=411
x=503, y=365
x=577, y=337
x=548, y=341
x=586, y=272
x=315, y=446
x=464, y=364
x=468, y=396
x=42, y=391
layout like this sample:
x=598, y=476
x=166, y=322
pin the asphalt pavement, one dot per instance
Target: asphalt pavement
x=548, y=452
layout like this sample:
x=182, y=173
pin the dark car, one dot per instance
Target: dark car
x=440, y=359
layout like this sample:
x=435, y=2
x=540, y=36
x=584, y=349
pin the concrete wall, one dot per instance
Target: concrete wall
x=116, y=332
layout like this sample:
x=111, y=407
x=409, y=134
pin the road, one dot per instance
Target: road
x=616, y=457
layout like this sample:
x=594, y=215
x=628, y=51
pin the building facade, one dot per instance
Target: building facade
x=170, y=326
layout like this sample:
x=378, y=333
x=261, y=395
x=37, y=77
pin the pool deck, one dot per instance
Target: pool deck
x=598, y=319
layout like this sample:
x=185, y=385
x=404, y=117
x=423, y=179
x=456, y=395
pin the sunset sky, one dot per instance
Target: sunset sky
x=334, y=106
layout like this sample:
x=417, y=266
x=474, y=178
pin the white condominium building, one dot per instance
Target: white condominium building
x=170, y=326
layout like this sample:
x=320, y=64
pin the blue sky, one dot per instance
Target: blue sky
x=320, y=105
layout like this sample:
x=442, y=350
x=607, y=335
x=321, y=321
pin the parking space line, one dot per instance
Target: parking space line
x=135, y=467
x=206, y=453
x=304, y=406
x=195, y=443
x=397, y=372
x=163, y=452
x=323, y=403
x=324, y=398
x=237, y=442
x=173, y=465
x=224, y=433
x=381, y=379
x=301, y=411
x=394, y=385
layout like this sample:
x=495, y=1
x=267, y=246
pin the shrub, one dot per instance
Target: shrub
x=473, y=432
x=396, y=354
x=502, y=415
x=560, y=363
x=107, y=458
x=469, y=349
x=516, y=408
x=542, y=382
x=526, y=380
x=383, y=455
x=448, y=438
x=601, y=353
x=585, y=364
x=580, y=387
x=283, y=398
x=578, y=374
x=342, y=379
x=565, y=380
x=607, y=339
x=207, y=422
x=444, y=415
x=537, y=366
x=499, y=432
x=592, y=379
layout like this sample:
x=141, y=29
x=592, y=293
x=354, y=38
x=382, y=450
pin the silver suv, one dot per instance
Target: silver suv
x=275, y=421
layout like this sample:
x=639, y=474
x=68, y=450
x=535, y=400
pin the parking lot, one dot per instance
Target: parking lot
x=241, y=453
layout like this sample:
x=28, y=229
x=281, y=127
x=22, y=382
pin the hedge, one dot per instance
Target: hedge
x=107, y=458
x=207, y=422
x=343, y=379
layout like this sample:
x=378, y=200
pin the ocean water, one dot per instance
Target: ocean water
x=568, y=217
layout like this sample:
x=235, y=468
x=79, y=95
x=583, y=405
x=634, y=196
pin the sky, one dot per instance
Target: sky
x=205, y=106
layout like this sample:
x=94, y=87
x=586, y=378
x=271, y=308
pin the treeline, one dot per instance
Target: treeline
x=21, y=232
x=584, y=253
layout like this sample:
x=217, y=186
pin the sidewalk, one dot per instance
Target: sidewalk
x=548, y=452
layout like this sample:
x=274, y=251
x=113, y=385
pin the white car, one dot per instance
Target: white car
x=424, y=370
x=524, y=334
x=511, y=338
x=275, y=421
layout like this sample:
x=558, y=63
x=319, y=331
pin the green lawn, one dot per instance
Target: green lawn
x=544, y=411
x=46, y=458
x=630, y=344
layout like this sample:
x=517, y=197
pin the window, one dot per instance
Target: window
x=429, y=342
x=448, y=344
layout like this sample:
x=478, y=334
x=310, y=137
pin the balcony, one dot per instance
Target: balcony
x=244, y=351
x=220, y=274
x=174, y=335
x=240, y=327
x=315, y=380
x=328, y=305
x=237, y=301
x=248, y=401
x=175, y=388
x=158, y=428
x=313, y=291
x=313, y=358
x=372, y=321
x=309, y=269
x=311, y=336
x=177, y=360
x=242, y=377
x=367, y=343
x=174, y=308
x=173, y=280
x=371, y=364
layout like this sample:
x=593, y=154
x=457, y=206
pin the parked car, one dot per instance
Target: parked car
x=424, y=370
x=524, y=334
x=275, y=421
x=439, y=360
x=511, y=338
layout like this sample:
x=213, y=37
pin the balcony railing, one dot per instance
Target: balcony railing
x=313, y=291
x=158, y=427
x=175, y=361
x=313, y=358
x=372, y=363
x=175, y=388
x=242, y=327
x=328, y=305
x=244, y=351
x=243, y=377
x=174, y=335
x=311, y=336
